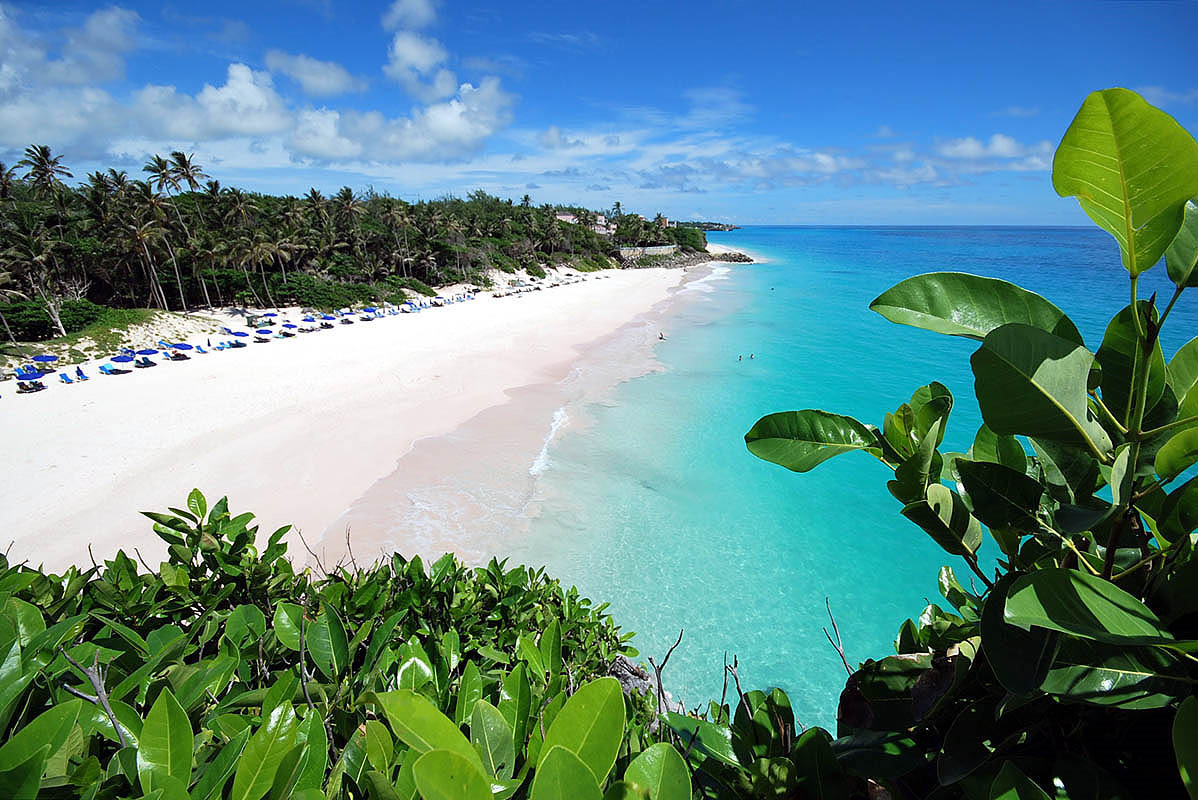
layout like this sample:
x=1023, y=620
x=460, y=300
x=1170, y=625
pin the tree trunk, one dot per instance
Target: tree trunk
x=178, y=274
x=52, y=307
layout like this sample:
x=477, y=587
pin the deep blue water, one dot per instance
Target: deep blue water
x=658, y=508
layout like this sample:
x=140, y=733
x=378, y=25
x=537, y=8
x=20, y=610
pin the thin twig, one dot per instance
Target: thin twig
x=302, y=666
x=349, y=549
x=96, y=676
x=143, y=563
x=838, y=644
x=724, y=691
x=92, y=556
x=311, y=552
x=661, y=699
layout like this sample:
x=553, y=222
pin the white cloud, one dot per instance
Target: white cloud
x=246, y=104
x=317, y=78
x=415, y=62
x=1017, y=112
x=999, y=146
x=1160, y=96
x=552, y=139
x=96, y=51
x=409, y=14
x=317, y=135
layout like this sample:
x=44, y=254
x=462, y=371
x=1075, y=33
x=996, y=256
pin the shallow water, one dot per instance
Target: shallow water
x=655, y=505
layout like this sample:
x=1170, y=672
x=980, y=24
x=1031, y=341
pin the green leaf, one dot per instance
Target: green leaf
x=22, y=781
x=1019, y=658
x=1121, y=355
x=1012, y=784
x=879, y=754
x=379, y=747
x=328, y=643
x=1075, y=602
x=263, y=754
x=1183, y=368
x=1177, y=455
x=419, y=724
x=197, y=504
x=1085, y=671
x=1181, y=257
x=493, y=738
x=1185, y=744
x=212, y=783
x=705, y=737
x=800, y=440
x=623, y=790
x=661, y=770
x=470, y=691
x=51, y=727
x=1032, y=383
x=1001, y=496
x=1131, y=167
x=1005, y=450
x=515, y=701
x=562, y=775
x=960, y=304
x=165, y=745
x=287, y=625
x=944, y=517
x=591, y=726
x=446, y=775
x=245, y=624
x=551, y=649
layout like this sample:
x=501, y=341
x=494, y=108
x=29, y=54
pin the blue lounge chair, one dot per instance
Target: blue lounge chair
x=200, y=349
x=62, y=376
x=79, y=374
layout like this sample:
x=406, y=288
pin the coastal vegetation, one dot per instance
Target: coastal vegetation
x=178, y=240
x=1063, y=665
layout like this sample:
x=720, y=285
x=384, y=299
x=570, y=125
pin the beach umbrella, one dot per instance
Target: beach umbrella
x=121, y=359
x=149, y=351
x=264, y=331
x=270, y=314
x=370, y=309
x=240, y=333
x=181, y=346
x=308, y=319
x=327, y=316
x=45, y=359
x=289, y=325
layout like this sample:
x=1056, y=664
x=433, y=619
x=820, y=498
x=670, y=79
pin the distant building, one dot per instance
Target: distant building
x=570, y=218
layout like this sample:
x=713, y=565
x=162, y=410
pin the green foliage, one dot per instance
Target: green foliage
x=1064, y=671
x=30, y=321
x=227, y=674
x=688, y=238
x=536, y=270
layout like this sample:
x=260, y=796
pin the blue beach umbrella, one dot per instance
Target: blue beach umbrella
x=289, y=325
x=149, y=351
x=327, y=316
x=308, y=319
x=370, y=309
x=240, y=333
x=270, y=314
x=45, y=359
x=121, y=359
x=264, y=331
x=181, y=346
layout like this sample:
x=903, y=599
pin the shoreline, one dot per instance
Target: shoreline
x=474, y=490
x=295, y=433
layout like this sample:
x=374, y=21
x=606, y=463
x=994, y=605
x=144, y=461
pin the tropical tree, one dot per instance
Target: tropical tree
x=44, y=169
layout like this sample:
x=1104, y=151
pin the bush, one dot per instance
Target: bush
x=78, y=314
x=312, y=292
x=687, y=238
x=415, y=285
x=30, y=321
x=536, y=270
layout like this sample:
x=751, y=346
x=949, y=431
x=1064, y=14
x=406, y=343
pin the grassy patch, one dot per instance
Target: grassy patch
x=102, y=337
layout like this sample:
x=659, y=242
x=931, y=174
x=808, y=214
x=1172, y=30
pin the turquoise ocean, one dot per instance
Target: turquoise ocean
x=656, y=507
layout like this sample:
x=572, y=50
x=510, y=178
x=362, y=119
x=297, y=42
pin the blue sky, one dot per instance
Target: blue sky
x=767, y=112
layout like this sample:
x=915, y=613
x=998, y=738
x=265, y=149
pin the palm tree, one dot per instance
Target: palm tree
x=44, y=169
x=185, y=170
x=139, y=238
x=150, y=204
x=8, y=179
x=31, y=253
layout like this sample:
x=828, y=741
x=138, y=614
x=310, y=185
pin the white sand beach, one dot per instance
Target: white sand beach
x=294, y=430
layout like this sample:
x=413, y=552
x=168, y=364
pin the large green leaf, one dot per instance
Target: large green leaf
x=1075, y=602
x=1033, y=383
x=1012, y=784
x=1019, y=658
x=1085, y=671
x=661, y=770
x=328, y=643
x=23, y=781
x=1185, y=744
x=800, y=440
x=1005, y=450
x=1183, y=368
x=51, y=727
x=446, y=775
x=212, y=782
x=515, y=701
x=165, y=745
x=562, y=775
x=263, y=754
x=714, y=741
x=287, y=625
x=1132, y=168
x=960, y=304
x=419, y=724
x=591, y=726
x=492, y=737
x=1177, y=455
x=945, y=517
x=1120, y=355
x=1181, y=258
x=1001, y=497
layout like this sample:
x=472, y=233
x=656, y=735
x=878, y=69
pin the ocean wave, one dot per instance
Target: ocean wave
x=541, y=462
